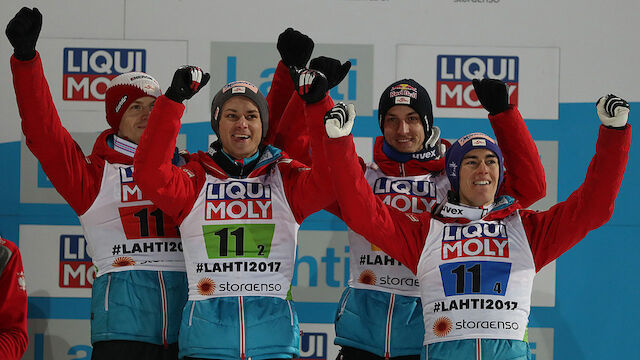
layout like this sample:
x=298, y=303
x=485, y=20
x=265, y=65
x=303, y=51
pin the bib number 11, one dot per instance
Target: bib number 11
x=475, y=277
x=146, y=221
x=238, y=241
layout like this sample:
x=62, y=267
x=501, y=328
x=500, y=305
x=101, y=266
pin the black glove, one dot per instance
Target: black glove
x=493, y=94
x=23, y=31
x=187, y=81
x=331, y=68
x=311, y=85
x=295, y=48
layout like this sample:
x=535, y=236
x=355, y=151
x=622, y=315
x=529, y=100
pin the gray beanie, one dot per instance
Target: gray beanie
x=239, y=88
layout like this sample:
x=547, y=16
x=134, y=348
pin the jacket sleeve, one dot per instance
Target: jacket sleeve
x=280, y=93
x=13, y=304
x=402, y=236
x=294, y=135
x=524, y=176
x=75, y=177
x=306, y=190
x=173, y=189
x=556, y=230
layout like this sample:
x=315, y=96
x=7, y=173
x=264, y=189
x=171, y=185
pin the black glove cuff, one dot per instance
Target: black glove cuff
x=174, y=95
x=24, y=55
x=499, y=110
x=314, y=97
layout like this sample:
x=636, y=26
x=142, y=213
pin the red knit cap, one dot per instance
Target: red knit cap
x=125, y=89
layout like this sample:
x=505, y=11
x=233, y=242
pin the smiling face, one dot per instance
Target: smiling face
x=240, y=127
x=479, y=175
x=134, y=119
x=403, y=129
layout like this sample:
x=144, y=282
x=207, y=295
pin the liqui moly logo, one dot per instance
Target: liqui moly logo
x=129, y=191
x=413, y=196
x=238, y=200
x=86, y=72
x=475, y=240
x=76, y=266
x=455, y=73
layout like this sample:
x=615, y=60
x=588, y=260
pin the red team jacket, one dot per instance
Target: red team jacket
x=75, y=176
x=13, y=303
x=550, y=233
x=175, y=190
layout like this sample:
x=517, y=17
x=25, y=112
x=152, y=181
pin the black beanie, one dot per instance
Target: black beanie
x=407, y=92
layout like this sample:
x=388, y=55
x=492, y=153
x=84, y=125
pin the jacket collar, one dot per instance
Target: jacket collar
x=103, y=148
x=123, y=146
x=411, y=167
x=269, y=155
x=457, y=213
x=117, y=150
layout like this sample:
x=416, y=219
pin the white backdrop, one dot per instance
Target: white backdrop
x=597, y=39
x=570, y=53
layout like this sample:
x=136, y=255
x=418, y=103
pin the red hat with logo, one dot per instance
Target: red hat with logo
x=125, y=89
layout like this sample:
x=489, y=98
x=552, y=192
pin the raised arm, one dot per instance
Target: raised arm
x=171, y=188
x=295, y=49
x=74, y=177
x=524, y=173
x=280, y=93
x=307, y=192
x=556, y=230
x=294, y=136
x=400, y=235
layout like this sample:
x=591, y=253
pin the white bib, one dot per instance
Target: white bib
x=370, y=267
x=127, y=232
x=476, y=280
x=240, y=238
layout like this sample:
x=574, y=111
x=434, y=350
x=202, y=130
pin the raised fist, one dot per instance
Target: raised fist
x=493, y=94
x=331, y=68
x=613, y=111
x=187, y=81
x=338, y=121
x=311, y=85
x=23, y=31
x=295, y=48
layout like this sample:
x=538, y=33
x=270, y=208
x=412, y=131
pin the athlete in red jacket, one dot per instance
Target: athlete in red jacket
x=379, y=315
x=476, y=254
x=239, y=207
x=13, y=303
x=140, y=288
